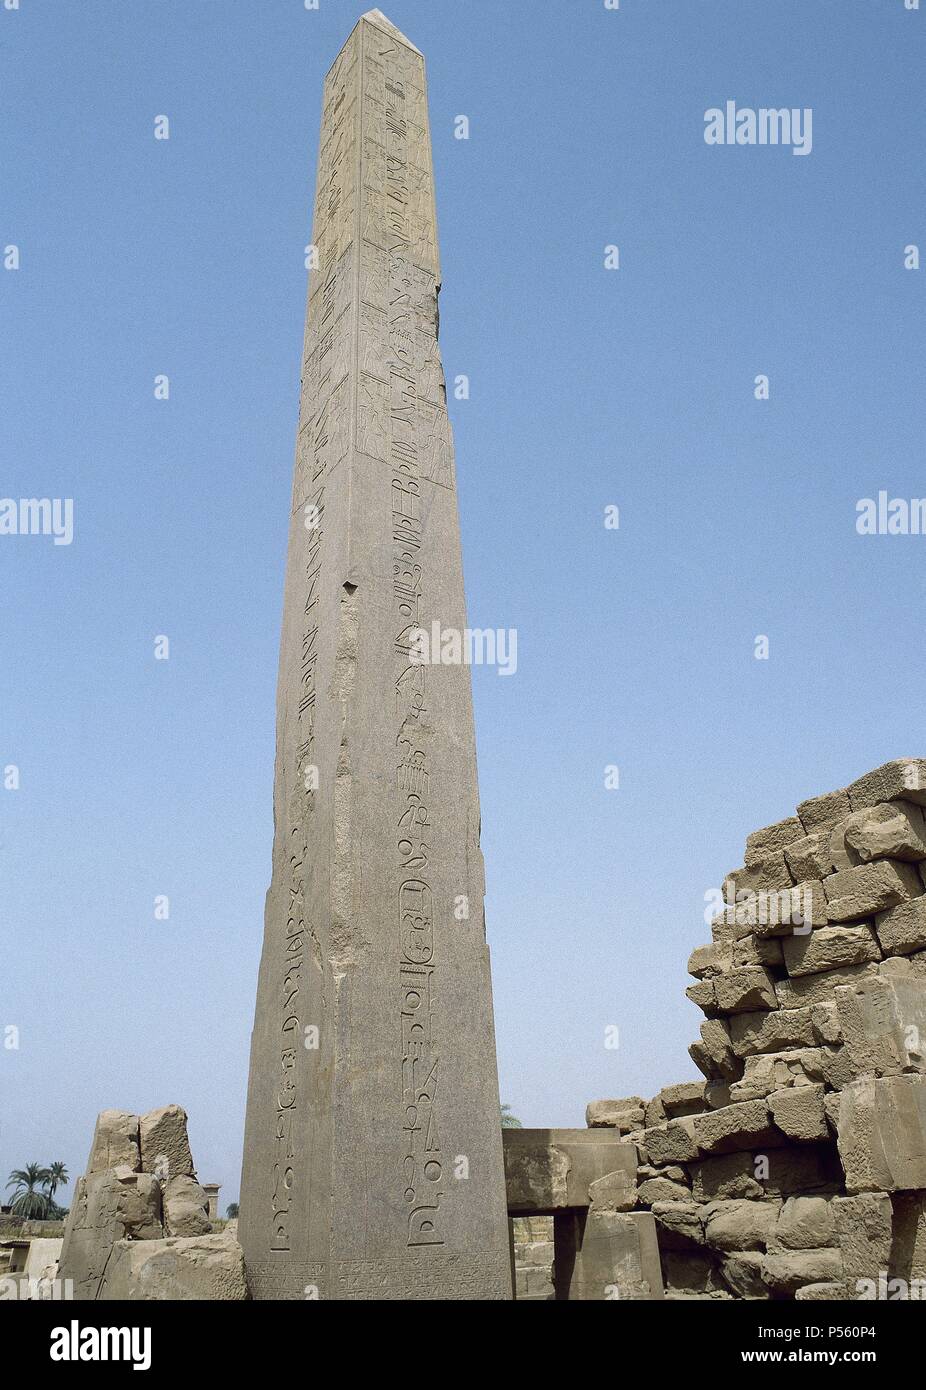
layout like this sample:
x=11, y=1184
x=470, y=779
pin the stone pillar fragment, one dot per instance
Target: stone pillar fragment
x=605, y=1255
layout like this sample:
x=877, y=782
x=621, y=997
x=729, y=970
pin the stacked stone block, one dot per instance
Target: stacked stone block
x=797, y=1168
x=139, y=1226
x=585, y=1181
x=532, y=1241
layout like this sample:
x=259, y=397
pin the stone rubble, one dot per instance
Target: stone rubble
x=797, y=1169
x=139, y=1225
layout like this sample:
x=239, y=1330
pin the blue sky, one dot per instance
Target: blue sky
x=589, y=388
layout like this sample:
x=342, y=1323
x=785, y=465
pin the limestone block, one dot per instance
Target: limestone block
x=604, y=1255
x=863, y=1226
x=673, y=1171
x=809, y=858
x=831, y=1106
x=903, y=779
x=743, y=1126
x=798, y=1112
x=206, y=1267
x=902, y=929
x=702, y=1059
x=775, y=1031
x=186, y=1208
x=745, y=991
x=716, y=1094
x=533, y=1285
x=742, y=1271
x=805, y=1223
x=768, y=873
x=625, y=1115
x=791, y=911
x=733, y=923
x=673, y=1142
x=908, y=1244
x=548, y=1169
x=707, y=961
x=828, y=948
x=761, y=843
x=821, y=1293
x=690, y=1274
x=821, y=812
x=882, y=1020
x=660, y=1190
x=766, y=914
x=115, y=1142
x=538, y=1254
x=882, y=1133
x=811, y=1169
x=687, y=1098
x=727, y=1177
x=92, y=1226
x=897, y=967
x=525, y=1230
x=786, y=1271
x=772, y=1071
x=889, y=830
x=825, y=1020
x=755, y=950
x=740, y=1225
x=804, y=991
x=838, y=1071
x=138, y=1204
x=655, y=1113
x=714, y=1055
x=165, y=1148
x=678, y=1225
x=870, y=888
x=838, y=850
x=703, y=996
x=616, y=1191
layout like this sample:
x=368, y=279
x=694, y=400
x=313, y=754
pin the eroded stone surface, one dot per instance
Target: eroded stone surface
x=207, y=1267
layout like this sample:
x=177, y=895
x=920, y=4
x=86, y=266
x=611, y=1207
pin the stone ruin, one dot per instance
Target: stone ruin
x=139, y=1227
x=797, y=1168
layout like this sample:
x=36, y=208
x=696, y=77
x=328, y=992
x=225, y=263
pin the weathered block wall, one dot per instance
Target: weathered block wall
x=532, y=1239
x=797, y=1169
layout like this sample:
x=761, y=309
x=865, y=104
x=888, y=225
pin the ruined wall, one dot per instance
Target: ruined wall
x=797, y=1169
x=139, y=1225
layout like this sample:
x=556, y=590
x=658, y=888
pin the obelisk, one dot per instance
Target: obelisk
x=373, y=1161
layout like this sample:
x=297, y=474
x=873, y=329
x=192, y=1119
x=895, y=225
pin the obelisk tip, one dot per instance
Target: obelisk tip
x=379, y=19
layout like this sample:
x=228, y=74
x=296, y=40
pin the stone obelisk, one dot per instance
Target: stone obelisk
x=373, y=1161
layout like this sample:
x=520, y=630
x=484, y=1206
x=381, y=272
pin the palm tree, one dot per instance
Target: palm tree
x=231, y=1211
x=510, y=1121
x=57, y=1177
x=28, y=1201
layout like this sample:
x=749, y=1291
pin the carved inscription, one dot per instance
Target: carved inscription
x=388, y=184
x=322, y=442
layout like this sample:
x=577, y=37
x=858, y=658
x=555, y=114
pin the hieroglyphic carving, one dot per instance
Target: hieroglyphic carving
x=323, y=441
x=387, y=192
x=362, y=1200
